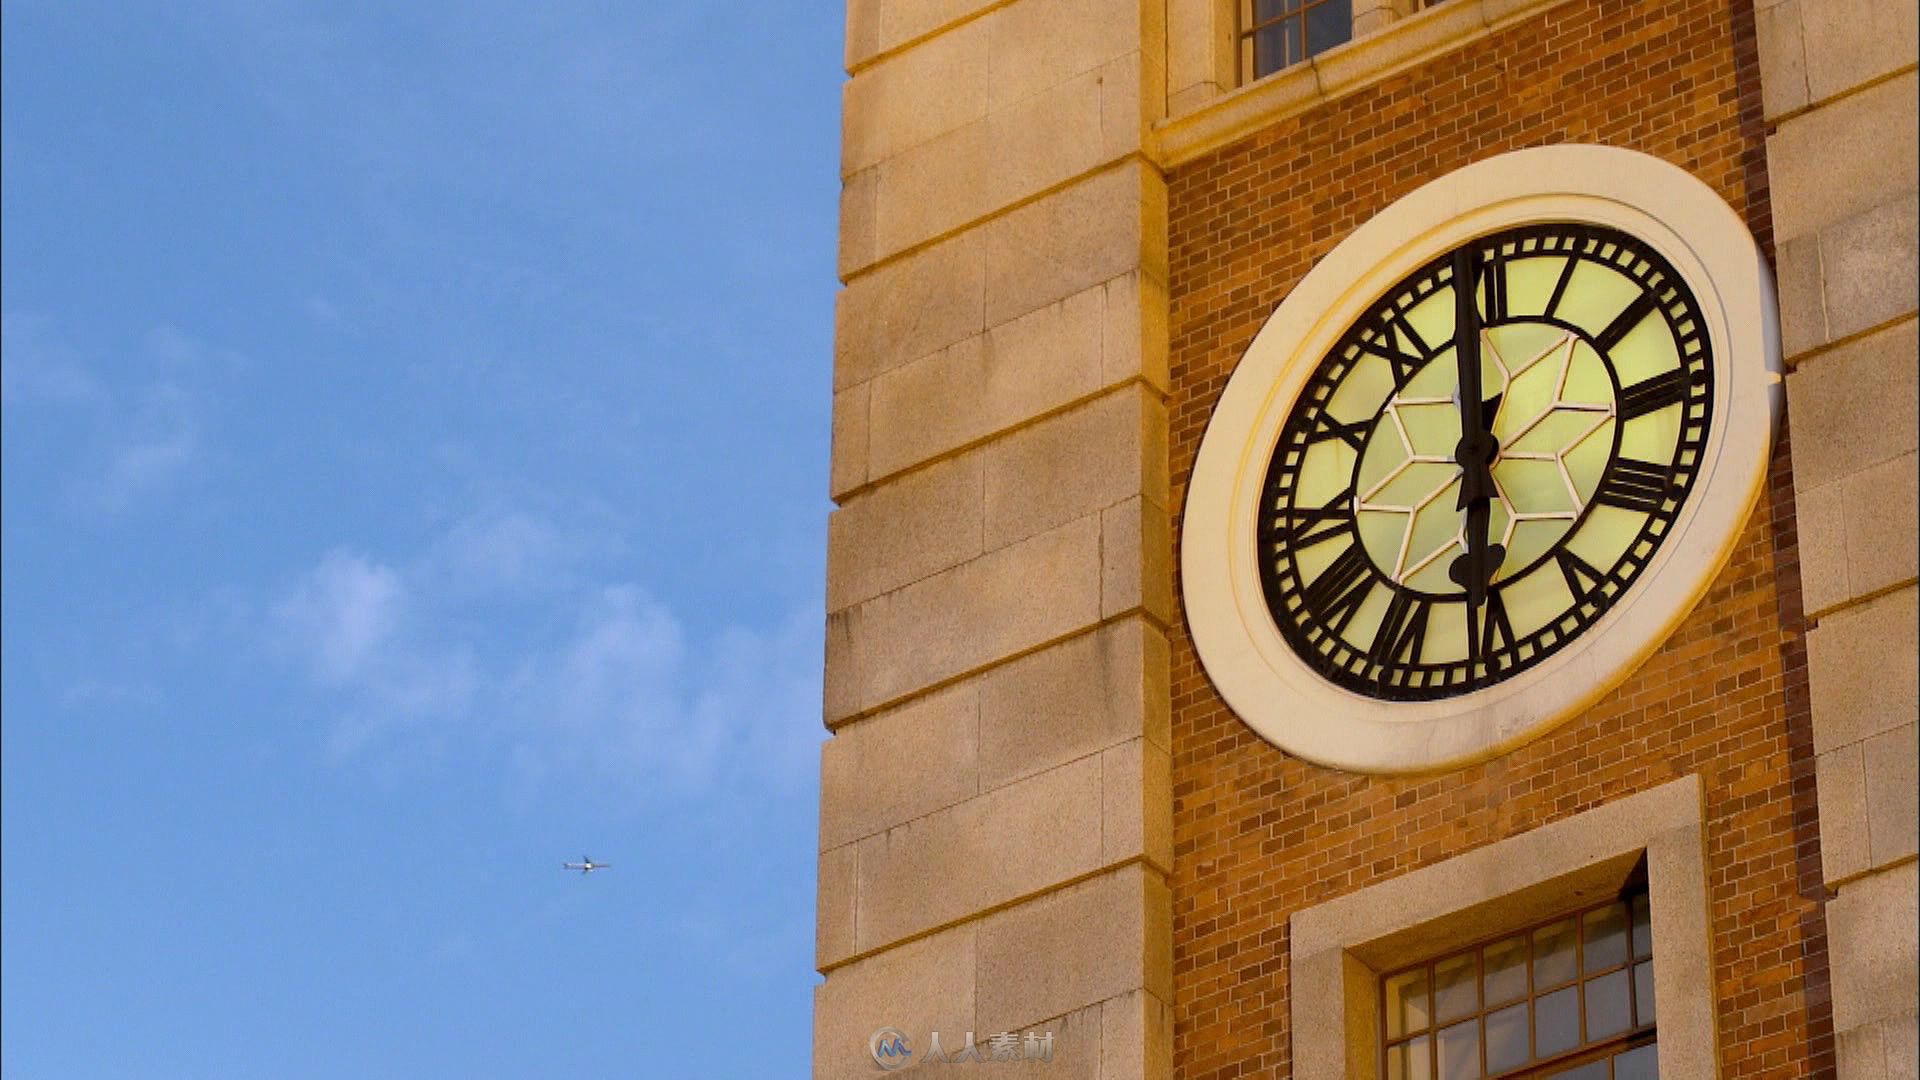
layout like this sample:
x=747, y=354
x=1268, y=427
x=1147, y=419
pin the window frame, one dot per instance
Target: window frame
x=1249, y=26
x=1634, y=1036
x=1338, y=948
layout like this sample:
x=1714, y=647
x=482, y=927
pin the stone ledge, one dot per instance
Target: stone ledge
x=1335, y=73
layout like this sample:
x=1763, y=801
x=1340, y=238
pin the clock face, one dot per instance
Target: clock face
x=1471, y=478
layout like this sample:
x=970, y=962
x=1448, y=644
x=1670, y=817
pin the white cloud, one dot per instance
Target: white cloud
x=510, y=552
x=161, y=439
x=132, y=430
x=36, y=368
x=600, y=684
x=340, y=613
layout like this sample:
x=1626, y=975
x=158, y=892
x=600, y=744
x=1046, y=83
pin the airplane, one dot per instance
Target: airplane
x=586, y=865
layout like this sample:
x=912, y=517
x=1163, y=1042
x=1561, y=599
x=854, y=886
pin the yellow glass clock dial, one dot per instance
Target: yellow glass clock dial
x=1473, y=475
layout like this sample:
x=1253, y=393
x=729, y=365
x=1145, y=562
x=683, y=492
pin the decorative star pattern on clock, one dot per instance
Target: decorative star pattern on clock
x=1417, y=544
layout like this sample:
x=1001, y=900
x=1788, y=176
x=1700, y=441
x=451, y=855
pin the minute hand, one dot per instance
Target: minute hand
x=1475, y=452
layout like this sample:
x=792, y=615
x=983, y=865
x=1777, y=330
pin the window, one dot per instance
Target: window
x=1279, y=33
x=1570, y=997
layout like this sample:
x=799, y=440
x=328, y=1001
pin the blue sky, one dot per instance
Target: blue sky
x=415, y=442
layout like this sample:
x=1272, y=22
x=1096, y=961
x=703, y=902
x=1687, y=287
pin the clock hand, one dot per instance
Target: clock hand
x=1476, y=449
x=1473, y=570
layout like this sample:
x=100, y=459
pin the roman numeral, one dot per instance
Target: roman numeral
x=1387, y=346
x=1497, y=630
x=1304, y=526
x=1623, y=323
x=1341, y=588
x=1402, y=631
x=1495, y=278
x=1560, y=286
x=1631, y=484
x=1326, y=427
x=1652, y=395
x=1581, y=577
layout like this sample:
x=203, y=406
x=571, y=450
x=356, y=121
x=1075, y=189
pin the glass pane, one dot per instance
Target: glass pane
x=1329, y=24
x=1455, y=990
x=1592, y=1070
x=1556, y=1022
x=1506, y=970
x=1460, y=1051
x=1410, y=1061
x=1275, y=47
x=1607, y=1005
x=1604, y=938
x=1643, y=990
x=1507, y=1038
x=1407, y=1008
x=1642, y=928
x=1553, y=960
x=1640, y=1063
x=1267, y=9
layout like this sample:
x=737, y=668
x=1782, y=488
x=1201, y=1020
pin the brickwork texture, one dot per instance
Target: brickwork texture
x=1258, y=834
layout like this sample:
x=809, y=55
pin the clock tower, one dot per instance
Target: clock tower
x=1375, y=538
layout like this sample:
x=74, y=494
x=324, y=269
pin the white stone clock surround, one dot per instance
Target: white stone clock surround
x=1251, y=665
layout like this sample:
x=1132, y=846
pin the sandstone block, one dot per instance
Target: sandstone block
x=899, y=765
x=1892, y=787
x=912, y=97
x=1862, y=674
x=934, y=188
x=1136, y=552
x=1852, y=42
x=859, y=223
x=964, y=393
x=1783, y=59
x=1871, y=948
x=1136, y=1037
x=1870, y=264
x=1841, y=792
x=1803, y=298
x=1200, y=54
x=1134, y=341
x=1098, y=939
x=1832, y=163
x=960, y=620
x=1137, y=820
x=904, y=530
x=1855, y=406
x=1046, y=139
x=1093, y=692
x=1821, y=517
x=904, y=21
x=833, y=915
x=1076, y=463
x=909, y=308
x=848, y=467
x=1042, y=43
x=921, y=986
x=1096, y=229
x=997, y=847
x=1882, y=521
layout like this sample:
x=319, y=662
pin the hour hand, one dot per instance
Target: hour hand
x=1476, y=451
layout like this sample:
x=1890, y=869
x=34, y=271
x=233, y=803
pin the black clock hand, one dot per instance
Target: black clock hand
x=1477, y=448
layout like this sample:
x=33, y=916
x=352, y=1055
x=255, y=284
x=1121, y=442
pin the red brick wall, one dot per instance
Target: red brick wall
x=1258, y=834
